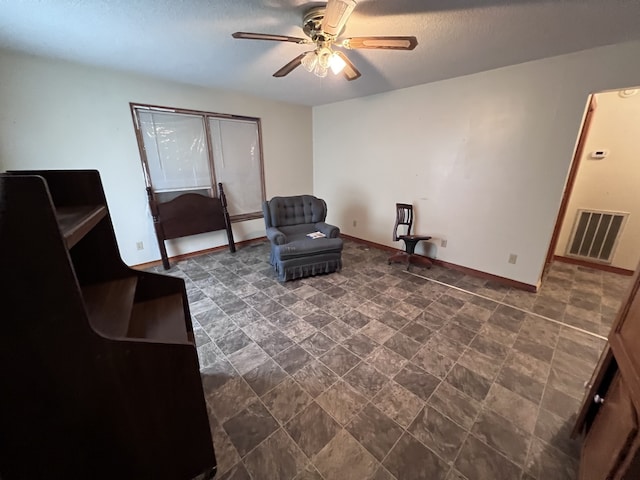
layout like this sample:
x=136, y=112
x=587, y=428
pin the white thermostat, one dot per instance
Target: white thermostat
x=599, y=154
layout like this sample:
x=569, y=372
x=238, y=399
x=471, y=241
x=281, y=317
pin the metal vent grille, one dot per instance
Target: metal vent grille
x=595, y=235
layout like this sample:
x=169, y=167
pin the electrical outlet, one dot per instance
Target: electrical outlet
x=512, y=258
x=139, y=245
x=443, y=243
x=355, y=223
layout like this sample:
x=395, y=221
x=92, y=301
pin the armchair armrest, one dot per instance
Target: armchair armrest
x=331, y=231
x=275, y=236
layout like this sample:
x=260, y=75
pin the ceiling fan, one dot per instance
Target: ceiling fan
x=323, y=25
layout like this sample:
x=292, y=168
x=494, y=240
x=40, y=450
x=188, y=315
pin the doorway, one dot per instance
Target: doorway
x=598, y=224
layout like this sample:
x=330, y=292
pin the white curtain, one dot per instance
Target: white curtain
x=176, y=151
x=236, y=159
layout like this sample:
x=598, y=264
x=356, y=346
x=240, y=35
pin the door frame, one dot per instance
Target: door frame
x=571, y=180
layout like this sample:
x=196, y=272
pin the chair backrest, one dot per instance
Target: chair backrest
x=294, y=210
x=404, y=218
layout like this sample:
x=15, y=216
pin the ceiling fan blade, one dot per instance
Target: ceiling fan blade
x=336, y=15
x=268, y=36
x=289, y=67
x=387, y=43
x=349, y=70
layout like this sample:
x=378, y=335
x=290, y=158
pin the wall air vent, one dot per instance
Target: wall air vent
x=595, y=235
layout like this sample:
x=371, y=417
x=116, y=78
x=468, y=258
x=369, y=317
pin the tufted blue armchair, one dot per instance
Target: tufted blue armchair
x=288, y=221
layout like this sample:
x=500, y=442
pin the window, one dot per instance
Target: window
x=188, y=151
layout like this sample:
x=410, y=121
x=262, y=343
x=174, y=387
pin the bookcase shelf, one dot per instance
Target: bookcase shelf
x=76, y=222
x=159, y=319
x=109, y=305
x=104, y=377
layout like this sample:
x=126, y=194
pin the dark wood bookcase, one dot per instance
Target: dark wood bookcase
x=100, y=374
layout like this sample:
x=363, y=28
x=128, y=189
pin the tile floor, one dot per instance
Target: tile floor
x=376, y=373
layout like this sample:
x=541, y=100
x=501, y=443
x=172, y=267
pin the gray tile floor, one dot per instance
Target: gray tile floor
x=376, y=373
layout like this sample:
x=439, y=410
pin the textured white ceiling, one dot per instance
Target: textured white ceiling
x=190, y=40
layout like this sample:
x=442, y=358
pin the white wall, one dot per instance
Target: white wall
x=610, y=184
x=483, y=158
x=58, y=115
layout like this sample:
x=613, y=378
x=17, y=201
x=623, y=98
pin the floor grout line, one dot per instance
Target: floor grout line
x=512, y=306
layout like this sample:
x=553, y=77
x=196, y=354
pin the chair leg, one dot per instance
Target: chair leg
x=409, y=257
x=400, y=257
x=410, y=245
x=419, y=260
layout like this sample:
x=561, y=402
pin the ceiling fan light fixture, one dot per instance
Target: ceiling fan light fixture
x=324, y=56
x=321, y=60
x=320, y=71
x=337, y=64
x=309, y=61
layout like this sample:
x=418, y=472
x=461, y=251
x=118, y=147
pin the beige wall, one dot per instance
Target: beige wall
x=483, y=158
x=613, y=183
x=59, y=115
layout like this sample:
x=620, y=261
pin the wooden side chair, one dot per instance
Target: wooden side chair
x=404, y=222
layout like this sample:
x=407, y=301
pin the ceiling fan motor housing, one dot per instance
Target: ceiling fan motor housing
x=312, y=26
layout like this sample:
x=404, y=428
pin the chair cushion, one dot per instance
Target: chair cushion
x=298, y=232
x=307, y=247
x=418, y=238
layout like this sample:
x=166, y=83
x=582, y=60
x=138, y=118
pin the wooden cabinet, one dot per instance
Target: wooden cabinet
x=611, y=433
x=609, y=415
x=100, y=374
